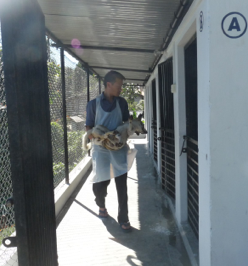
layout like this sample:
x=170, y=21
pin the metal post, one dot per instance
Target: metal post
x=88, y=84
x=62, y=58
x=88, y=91
x=26, y=85
x=100, y=89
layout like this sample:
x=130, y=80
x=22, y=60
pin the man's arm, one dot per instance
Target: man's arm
x=124, y=109
x=88, y=128
x=90, y=116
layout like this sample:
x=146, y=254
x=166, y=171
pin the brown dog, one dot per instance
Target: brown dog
x=114, y=140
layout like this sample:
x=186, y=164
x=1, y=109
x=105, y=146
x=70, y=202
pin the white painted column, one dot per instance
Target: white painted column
x=180, y=131
x=204, y=135
x=223, y=131
x=147, y=113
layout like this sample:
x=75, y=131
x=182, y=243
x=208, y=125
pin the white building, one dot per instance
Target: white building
x=202, y=80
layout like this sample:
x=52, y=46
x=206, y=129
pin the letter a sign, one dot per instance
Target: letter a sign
x=234, y=25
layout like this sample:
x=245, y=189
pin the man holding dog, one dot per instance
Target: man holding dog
x=110, y=110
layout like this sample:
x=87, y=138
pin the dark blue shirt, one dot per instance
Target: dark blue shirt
x=107, y=107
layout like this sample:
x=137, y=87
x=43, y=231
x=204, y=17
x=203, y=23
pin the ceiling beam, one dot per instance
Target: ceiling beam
x=132, y=85
x=123, y=69
x=59, y=44
x=135, y=79
x=109, y=48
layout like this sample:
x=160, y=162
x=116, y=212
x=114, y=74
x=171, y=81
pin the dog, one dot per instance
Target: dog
x=100, y=135
x=114, y=140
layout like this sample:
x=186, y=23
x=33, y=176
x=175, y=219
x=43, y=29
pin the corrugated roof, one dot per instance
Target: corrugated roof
x=112, y=33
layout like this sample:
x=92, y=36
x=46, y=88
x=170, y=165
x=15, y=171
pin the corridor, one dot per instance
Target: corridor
x=85, y=240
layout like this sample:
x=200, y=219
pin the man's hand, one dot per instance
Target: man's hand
x=88, y=128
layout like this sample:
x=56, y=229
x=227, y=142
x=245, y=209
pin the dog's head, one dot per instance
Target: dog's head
x=138, y=126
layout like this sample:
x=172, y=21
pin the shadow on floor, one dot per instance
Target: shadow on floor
x=155, y=239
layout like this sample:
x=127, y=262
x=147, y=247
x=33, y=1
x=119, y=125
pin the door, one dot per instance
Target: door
x=165, y=71
x=192, y=134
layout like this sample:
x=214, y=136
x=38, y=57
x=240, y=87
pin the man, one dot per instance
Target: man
x=110, y=110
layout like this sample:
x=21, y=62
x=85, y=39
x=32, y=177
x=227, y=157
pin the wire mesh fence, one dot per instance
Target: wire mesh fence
x=76, y=102
x=56, y=112
x=94, y=87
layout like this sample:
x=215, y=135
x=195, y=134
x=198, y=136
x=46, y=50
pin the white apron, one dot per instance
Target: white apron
x=109, y=164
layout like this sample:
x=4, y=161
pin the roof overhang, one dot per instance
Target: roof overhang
x=127, y=36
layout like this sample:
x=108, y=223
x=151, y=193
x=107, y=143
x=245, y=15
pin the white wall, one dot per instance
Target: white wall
x=222, y=130
x=204, y=136
x=228, y=95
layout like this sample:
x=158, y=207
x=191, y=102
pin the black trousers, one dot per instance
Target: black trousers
x=100, y=192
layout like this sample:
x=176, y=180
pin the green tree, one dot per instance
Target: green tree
x=134, y=97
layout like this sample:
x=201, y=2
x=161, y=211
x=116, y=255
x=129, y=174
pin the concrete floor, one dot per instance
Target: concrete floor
x=84, y=239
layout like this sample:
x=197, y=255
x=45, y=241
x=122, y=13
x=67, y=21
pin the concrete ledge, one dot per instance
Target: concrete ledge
x=63, y=191
x=8, y=255
x=61, y=194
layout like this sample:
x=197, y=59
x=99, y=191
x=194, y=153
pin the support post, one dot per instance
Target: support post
x=88, y=84
x=180, y=130
x=100, y=89
x=26, y=84
x=88, y=91
x=62, y=58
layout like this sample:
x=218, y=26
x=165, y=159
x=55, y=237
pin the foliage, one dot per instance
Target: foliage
x=134, y=114
x=58, y=168
x=54, y=68
x=57, y=132
x=134, y=98
x=74, y=147
x=6, y=232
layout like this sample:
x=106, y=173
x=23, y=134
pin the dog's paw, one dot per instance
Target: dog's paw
x=119, y=144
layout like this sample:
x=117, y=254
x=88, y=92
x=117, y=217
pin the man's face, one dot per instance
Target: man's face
x=115, y=88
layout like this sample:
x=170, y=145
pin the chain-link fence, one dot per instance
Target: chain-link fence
x=56, y=112
x=94, y=87
x=76, y=102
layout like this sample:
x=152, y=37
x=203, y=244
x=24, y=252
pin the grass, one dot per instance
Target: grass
x=6, y=232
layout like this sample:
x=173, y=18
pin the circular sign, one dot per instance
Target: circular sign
x=201, y=21
x=234, y=25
